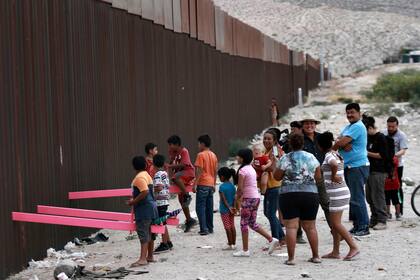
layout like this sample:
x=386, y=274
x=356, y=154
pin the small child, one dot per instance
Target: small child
x=162, y=196
x=261, y=163
x=392, y=186
x=247, y=199
x=151, y=150
x=145, y=210
x=227, y=193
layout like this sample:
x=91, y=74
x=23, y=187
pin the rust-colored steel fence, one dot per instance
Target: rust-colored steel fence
x=84, y=85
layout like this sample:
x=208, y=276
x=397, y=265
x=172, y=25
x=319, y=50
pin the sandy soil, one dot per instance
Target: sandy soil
x=350, y=40
x=390, y=254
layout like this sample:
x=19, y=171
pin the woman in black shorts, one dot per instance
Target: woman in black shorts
x=299, y=199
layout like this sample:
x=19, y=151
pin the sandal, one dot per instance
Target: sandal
x=315, y=260
x=331, y=256
x=289, y=262
x=137, y=264
x=351, y=257
x=152, y=260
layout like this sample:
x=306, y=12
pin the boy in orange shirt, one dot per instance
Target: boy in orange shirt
x=204, y=186
x=145, y=210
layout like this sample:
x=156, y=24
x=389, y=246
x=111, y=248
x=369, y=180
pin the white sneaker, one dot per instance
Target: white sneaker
x=229, y=248
x=273, y=244
x=241, y=253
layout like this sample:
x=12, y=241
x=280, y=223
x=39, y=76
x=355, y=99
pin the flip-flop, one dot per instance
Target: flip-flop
x=315, y=260
x=350, y=258
x=289, y=262
x=137, y=264
x=152, y=261
x=330, y=256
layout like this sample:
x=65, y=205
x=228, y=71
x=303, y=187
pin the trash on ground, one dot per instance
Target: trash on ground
x=68, y=267
x=40, y=264
x=99, y=237
x=205, y=247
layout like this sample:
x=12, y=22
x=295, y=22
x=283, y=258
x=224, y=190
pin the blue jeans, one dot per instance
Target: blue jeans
x=271, y=207
x=356, y=179
x=204, y=208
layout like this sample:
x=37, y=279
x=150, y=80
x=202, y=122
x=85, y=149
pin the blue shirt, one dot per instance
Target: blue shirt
x=357, y=156
x=299, y=172
x=229, y=191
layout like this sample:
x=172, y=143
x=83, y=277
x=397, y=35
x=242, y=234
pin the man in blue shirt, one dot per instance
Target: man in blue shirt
x=352, y=145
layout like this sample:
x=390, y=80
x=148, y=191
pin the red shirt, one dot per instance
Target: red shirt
x=393, y=183
x=149, y=167
x=260, y=161
x=183, y=157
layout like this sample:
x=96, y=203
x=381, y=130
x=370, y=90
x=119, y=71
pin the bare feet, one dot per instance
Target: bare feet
x=351, y=255
x=331, y=256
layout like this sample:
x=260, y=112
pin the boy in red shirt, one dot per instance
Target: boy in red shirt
x=392, y=185
x=151, y=150
x=261, y=163
x=182, y=173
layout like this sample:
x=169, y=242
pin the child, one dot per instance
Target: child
x=392, y=185
x=247, y=199
x=227, y=193
x=182, y=172
x=161, y=192
x=145, y=210
x=261, y=163
x=151, y=150
x=339, y=195
x=205, y=183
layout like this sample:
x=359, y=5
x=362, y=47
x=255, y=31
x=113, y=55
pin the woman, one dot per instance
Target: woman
x=271, y=195
x=339, y=196
x=299, y=199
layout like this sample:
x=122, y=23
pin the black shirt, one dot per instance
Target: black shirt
x=377, y=144
x=312, y=147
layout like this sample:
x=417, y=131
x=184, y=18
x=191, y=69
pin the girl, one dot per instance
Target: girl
x=339, y=195
x=227, y=193
x=248, y=199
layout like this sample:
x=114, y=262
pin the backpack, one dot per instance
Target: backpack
x=389, y=160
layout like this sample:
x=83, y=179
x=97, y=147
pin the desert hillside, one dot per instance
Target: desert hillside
x=353, y=35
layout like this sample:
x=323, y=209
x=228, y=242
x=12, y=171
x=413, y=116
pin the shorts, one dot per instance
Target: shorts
x=249, y=210
x=302, y=205
x=184, y=177
x=228, y=220
x=162, y=211
x=143, y=231
x=394, y=196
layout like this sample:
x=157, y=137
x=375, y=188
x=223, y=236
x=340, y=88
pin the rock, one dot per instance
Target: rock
x=119, y=256
x=69, y=267
x=305, y=275
x=409, y=182
x=69, y=246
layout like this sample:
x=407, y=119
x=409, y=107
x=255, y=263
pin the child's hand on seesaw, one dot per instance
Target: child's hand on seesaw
x=129, y=202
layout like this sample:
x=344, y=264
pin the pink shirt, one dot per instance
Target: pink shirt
x=249, y=189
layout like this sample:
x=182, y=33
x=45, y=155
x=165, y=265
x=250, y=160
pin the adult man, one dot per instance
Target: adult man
x=205, y=174
x=378, y=157
x=401, y=146
x=352, y=145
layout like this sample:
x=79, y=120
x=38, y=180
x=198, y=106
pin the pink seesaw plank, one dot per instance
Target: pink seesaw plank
x=100, y=193
x=157, y=229
x=84, y=213
x=175, y=189
x=172, y=221
x=72, y=221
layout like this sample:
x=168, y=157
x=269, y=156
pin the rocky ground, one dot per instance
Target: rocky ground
x=351, y=35
x=389, y=254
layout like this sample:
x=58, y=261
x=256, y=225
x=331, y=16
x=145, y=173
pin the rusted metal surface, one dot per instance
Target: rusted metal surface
x=193, y=18
x=84, y=86
x=185, y=16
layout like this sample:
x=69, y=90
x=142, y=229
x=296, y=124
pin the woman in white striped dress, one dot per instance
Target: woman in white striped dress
x=339, y=195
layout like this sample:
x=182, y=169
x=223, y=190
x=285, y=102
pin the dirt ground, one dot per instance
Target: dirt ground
x=389, y=254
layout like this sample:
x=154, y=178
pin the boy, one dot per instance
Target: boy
x=261, y=163
x=204, y=186
x=145, y=210
x=161, y=192
x=151, y=150
x=182, y=173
